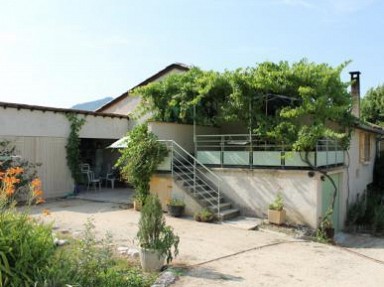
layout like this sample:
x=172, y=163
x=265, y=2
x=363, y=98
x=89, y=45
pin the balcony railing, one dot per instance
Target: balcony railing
x=250, y=151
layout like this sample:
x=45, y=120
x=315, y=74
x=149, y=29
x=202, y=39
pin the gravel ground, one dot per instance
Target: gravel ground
x=226, y=255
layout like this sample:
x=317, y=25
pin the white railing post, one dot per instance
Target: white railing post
x=218, y=199
x=194, y=176
x=172, y=162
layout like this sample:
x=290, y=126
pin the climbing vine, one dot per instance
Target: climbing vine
x=295, y=104
x=73, y=146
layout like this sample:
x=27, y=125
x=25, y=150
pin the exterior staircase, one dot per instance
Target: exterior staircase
x=199, y=182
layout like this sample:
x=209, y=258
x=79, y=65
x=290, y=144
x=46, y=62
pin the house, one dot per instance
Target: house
x=126, y=103
x=237, y=175
x=40, y=136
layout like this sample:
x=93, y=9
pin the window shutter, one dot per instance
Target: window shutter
x=361, y=147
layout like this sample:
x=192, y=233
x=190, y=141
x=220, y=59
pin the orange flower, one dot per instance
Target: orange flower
x=16, y=170
x=37, y=193
x=9, y=190
x=36, y=183
x=40, y=200
x=46, y=212
x=9, y=180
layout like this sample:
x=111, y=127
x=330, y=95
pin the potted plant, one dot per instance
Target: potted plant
x=176, y=207
x=139, y=160
x=326, y=230
x=276, y=211
x=157, y=240
x=205, y=215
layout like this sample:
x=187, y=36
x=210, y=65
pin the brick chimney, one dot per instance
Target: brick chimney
x=355, y=93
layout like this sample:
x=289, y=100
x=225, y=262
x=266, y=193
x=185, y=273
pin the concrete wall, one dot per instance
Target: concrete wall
x=360, y=174
x=180, y=133
x=253, y=190
x=25, y=122
x=50, y=152
x=41, y=137
x=234, y=128
x=161, y=184
x=165, y=187
x=128, y=104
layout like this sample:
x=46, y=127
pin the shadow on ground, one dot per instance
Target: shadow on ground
x=208, y=273
x=359, y=240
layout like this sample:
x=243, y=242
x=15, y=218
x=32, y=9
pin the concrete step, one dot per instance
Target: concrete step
x=223, y=206
x=229, y=213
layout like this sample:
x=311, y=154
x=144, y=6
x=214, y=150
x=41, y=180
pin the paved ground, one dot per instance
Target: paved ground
x=228, y=255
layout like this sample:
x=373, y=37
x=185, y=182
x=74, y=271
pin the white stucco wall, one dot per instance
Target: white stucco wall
x=125, y=106
x=128, y=104
x=180, y=133
x=253, y=190
x=50, y=152
x=25, y=122
x=41, y=137
x=360, y=174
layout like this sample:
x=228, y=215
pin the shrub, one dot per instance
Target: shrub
x=378, y=219
x=205, y=215
x=278, y=203
x=27, y=171
x=367, y=210
x=176, y=202
x=25, y=248
x=90, y=262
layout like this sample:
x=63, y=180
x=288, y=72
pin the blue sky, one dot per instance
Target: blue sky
x=59, y=53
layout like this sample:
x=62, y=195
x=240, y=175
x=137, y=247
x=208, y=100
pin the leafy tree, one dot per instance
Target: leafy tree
x=293, y=104
x=174, y=98
x=372, y=105
x=139, y=160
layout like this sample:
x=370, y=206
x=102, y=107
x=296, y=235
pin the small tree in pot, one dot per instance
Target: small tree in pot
x=156, y=239
x=276, y=212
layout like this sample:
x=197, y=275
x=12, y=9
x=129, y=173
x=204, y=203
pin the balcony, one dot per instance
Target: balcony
x=251, y=152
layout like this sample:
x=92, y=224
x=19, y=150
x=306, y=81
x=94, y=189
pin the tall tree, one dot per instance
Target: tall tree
x=372, y=106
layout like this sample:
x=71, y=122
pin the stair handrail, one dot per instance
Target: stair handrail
x=196, y=162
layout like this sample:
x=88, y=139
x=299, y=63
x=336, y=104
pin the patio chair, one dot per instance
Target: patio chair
x=110, y=177
x=85, y=167
x=92, y=180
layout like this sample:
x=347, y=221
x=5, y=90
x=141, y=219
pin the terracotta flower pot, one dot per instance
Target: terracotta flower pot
x=276, y=216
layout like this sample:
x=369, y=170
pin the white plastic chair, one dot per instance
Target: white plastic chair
x=85, y=167
x=110, y=177
x=92, y=180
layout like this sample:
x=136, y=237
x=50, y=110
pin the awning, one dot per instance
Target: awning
x=121, y=143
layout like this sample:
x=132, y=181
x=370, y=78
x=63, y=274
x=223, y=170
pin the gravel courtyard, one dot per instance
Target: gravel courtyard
x=228, y=255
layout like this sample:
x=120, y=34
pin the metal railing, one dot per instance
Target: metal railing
x=202, y=182
x=250, y=150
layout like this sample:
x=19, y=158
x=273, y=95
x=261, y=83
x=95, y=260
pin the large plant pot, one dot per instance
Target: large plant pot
x=175, y=210
x=276, y=216
x=150, y=260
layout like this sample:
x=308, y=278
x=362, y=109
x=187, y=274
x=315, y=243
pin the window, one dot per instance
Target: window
x=365, y=147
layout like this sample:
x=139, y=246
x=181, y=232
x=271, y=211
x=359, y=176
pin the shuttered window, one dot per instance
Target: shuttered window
x=365, y=147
